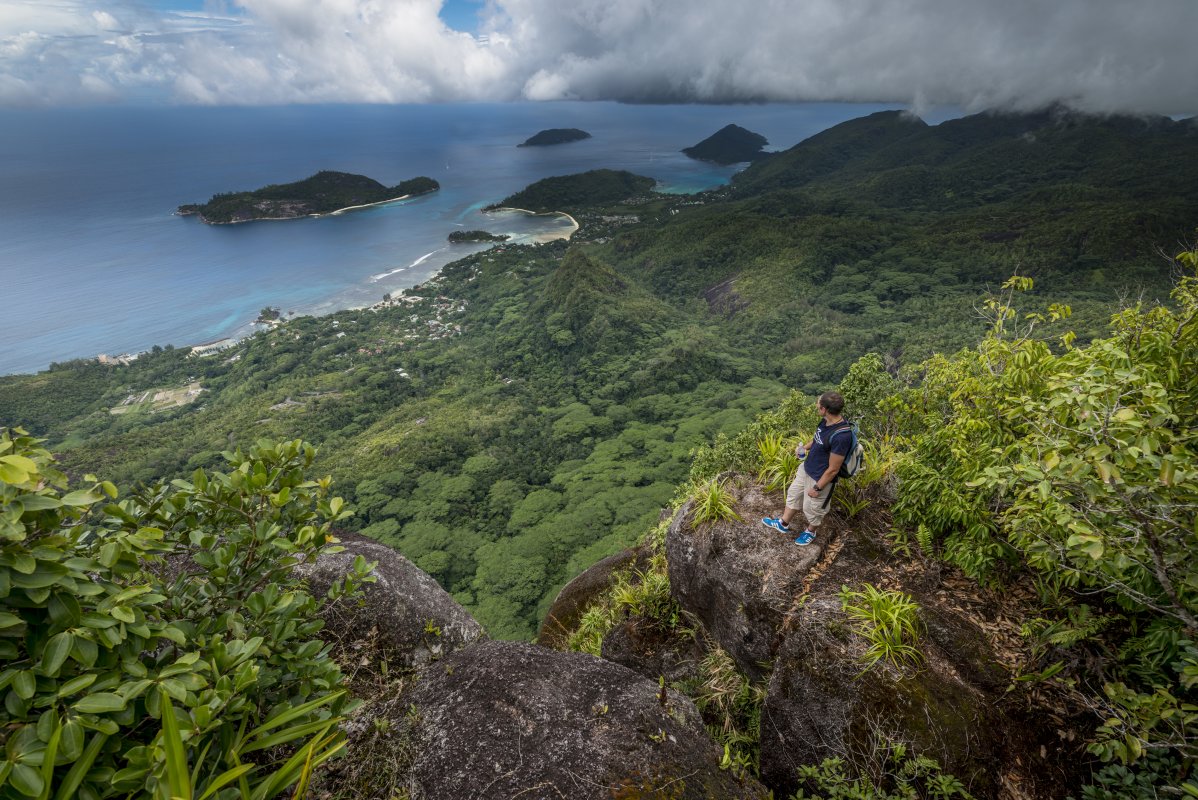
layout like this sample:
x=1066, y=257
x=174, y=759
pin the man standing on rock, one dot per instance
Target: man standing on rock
x=812, y=488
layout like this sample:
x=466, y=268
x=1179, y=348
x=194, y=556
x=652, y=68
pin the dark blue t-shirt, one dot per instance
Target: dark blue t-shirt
x=822, y=450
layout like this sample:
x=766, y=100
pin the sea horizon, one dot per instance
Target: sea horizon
x=94, y=259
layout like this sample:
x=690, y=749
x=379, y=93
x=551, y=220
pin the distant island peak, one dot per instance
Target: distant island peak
x=731, y=144
x=555, y=136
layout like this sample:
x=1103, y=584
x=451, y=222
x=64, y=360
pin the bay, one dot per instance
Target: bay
x=93, y=260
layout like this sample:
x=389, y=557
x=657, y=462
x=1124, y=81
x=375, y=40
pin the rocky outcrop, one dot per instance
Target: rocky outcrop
x=508, y=719
x=572, y=601
x=404, y=617
x=776, y=609
x=823, y=703
x=740, y=579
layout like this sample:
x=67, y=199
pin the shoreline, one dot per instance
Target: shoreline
x=573, y=221
x=210, y=346
x=226, y=342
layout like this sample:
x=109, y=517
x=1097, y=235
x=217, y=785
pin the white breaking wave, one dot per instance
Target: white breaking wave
x=416, y=263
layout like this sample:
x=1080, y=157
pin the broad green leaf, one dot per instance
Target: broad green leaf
x=77, y=684
x=100, y=703
x=26, y=780
x=39, y=502
x=1091, y=545
x=85, y=651
x=124, y=614
x=56, y=652
x=82, y=497
x=24, y=683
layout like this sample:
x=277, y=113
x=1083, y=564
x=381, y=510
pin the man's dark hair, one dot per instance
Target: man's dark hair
x=833, y=402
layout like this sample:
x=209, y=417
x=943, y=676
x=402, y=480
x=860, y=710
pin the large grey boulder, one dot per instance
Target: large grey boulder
x=404, y=617
x=509, y=719
x=740, y=579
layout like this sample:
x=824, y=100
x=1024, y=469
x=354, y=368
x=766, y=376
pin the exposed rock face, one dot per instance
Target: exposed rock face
x=572, y=601
x=642, y=646
x=740, y=579
x=508, y=719
x=822, y=702
x=406, y=616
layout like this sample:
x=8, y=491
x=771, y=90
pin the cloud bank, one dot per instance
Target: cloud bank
x=1096, y=55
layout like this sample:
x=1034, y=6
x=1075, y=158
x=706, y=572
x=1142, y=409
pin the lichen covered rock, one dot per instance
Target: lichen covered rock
x=405, y=617
x=509, y=719
x=823, y=702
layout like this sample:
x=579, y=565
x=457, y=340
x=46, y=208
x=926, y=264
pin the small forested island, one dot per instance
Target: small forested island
x=583, y=189
x=555, y=136
x=731, y=144
x=323, y=193
x=477, y=236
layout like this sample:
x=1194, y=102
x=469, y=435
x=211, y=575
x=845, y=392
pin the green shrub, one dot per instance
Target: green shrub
x=905, y=777
x=101, y=637
x=889, y=621
x=712, y=503
x=779, y=464
x=1077, y=464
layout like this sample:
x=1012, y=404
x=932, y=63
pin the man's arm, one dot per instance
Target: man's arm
x=834, y=462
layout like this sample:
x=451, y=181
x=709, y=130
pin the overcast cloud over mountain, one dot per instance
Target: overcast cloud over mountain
x=1100, y=55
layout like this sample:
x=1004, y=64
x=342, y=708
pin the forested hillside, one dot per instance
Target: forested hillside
x=532, y=409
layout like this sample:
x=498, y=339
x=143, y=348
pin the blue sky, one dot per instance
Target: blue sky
x=1095, y=55
x=460, y=15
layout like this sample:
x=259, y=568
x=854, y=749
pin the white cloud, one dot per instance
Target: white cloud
x=1099, y=55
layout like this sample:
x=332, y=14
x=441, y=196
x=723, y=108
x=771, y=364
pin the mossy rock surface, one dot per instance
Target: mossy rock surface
x=576, y=596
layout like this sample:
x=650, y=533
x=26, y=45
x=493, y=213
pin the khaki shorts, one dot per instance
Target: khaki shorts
x=814, y=508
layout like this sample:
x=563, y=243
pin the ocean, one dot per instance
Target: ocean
x=93, y=260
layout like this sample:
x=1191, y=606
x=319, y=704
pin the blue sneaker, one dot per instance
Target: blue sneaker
x=805, y=538
x=776, y=524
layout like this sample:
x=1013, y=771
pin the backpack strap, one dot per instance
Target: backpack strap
x=831, y=490
x=843, y=425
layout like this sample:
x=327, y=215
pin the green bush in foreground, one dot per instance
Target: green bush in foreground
x=164, y=629
x=1077, y=465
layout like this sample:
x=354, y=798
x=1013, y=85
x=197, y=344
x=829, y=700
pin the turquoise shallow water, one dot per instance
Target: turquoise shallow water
x=92, y=260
